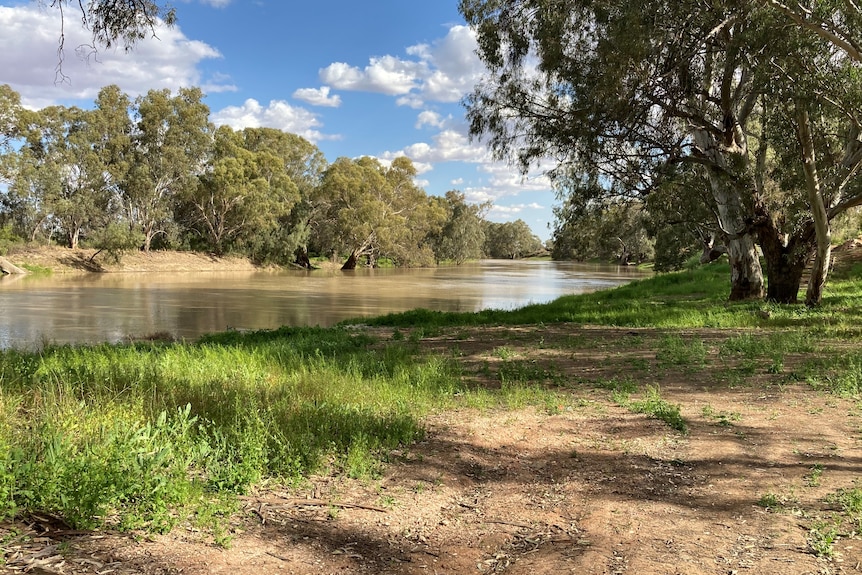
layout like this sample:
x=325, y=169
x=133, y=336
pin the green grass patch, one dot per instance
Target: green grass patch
x=694, y=298
x=653, y=405
x=143, y=436
x=674, y=350
x=131, y=435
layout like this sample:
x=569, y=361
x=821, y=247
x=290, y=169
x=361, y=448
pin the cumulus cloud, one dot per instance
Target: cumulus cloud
x=429, y=118
x=443, y=71
x=29, y=60
x=449, y=145
x=318, y=97
x=455, y=67
x=277, y=114
x=385, y=75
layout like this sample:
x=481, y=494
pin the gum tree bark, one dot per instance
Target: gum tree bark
x=822, y=259
x=746, y=275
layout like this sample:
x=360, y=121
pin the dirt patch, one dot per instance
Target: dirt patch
x=582, y=485
x=64, y=260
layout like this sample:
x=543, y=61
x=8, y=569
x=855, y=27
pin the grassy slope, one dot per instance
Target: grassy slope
x=150, y=434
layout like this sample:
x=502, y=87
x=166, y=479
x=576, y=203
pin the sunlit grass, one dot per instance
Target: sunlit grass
x=694, y=298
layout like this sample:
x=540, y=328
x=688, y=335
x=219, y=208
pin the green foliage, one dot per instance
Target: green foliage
x=8, y=239
x=604, y=230
x=367, y=211
x=462, y=237
x=155, y=173
x=510, y=240
x=114, y=239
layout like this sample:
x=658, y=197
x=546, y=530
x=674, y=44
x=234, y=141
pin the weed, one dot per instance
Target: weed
x=850, y=502
x=625, y=386
x=652, y=405
x=723, y=418
x=773, y=501
x=814, y=476
x=503, y=352
x=657, y=407
x=822, y=536
x=674, y=350
x=520, y=371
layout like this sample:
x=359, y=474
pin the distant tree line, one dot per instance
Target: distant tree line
x=155, y=173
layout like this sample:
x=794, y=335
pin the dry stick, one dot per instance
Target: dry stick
x=298, y=502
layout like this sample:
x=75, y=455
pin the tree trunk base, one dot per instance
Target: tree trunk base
x=350, y=264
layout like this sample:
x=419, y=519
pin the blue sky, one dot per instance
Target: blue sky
x=381, y=78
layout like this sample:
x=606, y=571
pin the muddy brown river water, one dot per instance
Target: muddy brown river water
x=116, y=306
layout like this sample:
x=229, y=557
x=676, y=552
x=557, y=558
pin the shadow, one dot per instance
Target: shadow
x=79, y=262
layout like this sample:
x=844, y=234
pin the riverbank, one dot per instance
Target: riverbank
x=690, y=437
x=61, y=260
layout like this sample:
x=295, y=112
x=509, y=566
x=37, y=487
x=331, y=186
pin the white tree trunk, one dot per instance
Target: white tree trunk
x=746, y=275
x=820, y=269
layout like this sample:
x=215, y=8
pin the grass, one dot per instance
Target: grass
x=150, y=434
x=657, y=407
x=128, y=434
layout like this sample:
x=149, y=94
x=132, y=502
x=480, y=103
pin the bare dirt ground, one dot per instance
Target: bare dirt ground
x=64, y=260
x=584, y=487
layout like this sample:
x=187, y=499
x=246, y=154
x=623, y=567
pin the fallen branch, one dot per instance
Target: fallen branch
x=299, y=502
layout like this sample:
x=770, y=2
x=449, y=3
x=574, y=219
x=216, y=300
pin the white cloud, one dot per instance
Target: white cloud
x=443, y=71
x=278, y=114
x=386, y=75
x=449, y=145
x=29, y=60
x=429, y=118
x=318, y=97
x=455, y=66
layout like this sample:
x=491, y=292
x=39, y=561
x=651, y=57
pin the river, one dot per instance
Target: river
x=116, y=306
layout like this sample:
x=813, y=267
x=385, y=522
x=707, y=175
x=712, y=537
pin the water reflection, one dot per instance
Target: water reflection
x=112, y=307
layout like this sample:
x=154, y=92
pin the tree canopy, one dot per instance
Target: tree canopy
x=155, y=173
x=629, y=94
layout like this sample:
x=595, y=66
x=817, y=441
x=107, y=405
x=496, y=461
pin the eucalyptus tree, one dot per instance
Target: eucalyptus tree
x=366, y=210
x=171, y=142
x=620, y=90
x=10, y=109
x=510, y=240
x=64, y=172
x=625, y=91
x=241, y=194
x=303, y=163
x=813, y=127
x=462, y=236
x=603, y=230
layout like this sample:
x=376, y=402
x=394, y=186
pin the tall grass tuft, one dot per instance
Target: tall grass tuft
x=129, y=436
